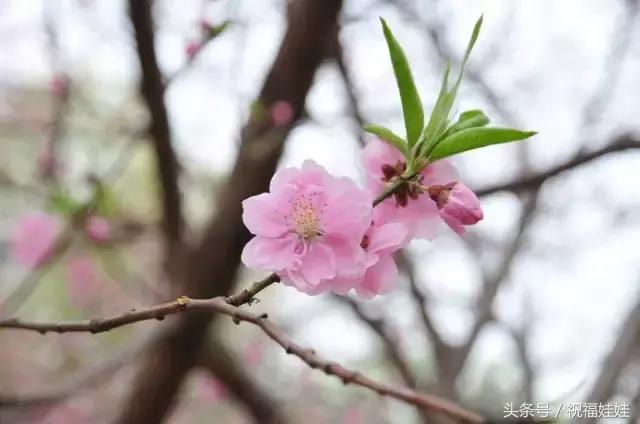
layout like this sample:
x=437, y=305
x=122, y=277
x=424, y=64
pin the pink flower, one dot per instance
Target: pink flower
x=84, y=282
x=411, y=204
x=191, y=49
x=379, y=244
x=457, y=205
x=281, y=113
x=33, y=238
x=98, y=229
x=308, y=228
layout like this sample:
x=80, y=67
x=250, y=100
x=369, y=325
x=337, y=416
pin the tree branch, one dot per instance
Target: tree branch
x=531, y=182
x=221, y=363
x=152, y=90
x=218, y=304
x=379, y=326
x=218, y=252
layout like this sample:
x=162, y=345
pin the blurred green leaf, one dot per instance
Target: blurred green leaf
x=62, y=203
x=215, y=30
x=468, y=119
x=385, y=134
x=473, y=138
x=411, y=103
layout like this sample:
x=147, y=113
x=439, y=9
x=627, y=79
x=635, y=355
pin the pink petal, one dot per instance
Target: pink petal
x=269, y=254
x=387, y=238
x=318, y=264
x=440, y=172
x=379, y=279
x=347, y=211
x=377, y=153
x=262, y=214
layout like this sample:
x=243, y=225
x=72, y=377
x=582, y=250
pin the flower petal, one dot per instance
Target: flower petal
x=269, y=254
x=264, y=216
x=319, y=263
x=379, y=279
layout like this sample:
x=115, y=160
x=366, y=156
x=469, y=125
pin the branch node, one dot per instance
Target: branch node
x=182, y=301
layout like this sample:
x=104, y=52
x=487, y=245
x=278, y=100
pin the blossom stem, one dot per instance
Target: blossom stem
x=248, y=295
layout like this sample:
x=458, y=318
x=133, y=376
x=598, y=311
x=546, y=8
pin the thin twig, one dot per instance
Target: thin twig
x=622, y=143
x=379, y=326
x=218, y=304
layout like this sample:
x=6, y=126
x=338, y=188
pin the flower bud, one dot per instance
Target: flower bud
x=457, y=205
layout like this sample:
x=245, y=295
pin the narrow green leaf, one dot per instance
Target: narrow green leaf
x=440, y=115
x=468, y=119
x=474, y=138
x=411, y=103
x=215, y=30
x=385, y=134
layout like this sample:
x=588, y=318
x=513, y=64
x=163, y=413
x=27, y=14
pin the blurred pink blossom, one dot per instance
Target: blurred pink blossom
x=308, y=228
x=353, y=415
x=281, y=113
x=191, y=49
x=457, y=204
x=98, y=229
x=84, y=285
x=33, y=238
x=211, y=389
x=253, y=353
x=58, y=85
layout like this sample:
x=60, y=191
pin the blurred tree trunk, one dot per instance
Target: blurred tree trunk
x=213, y=263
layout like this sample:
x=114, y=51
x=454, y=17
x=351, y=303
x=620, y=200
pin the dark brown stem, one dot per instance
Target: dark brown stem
x=219, y=304
x=152, y=89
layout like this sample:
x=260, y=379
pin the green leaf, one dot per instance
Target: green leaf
x=385, y=134
x=215, y=30
x=62, y=203
x=411, y=103
x=468, y=119
x=473, y=138
x=440, y=115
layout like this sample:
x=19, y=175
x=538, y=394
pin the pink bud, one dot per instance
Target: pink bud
x=98, y=229
x=281, y=113
x=58, y=85
x=83, y=281
x=457, y=205
x=33, y=238
x=191, y=49
x=205, y=26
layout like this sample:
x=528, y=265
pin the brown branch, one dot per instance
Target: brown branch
x=531, y=182
x=349, y=84
x=83, y=380
x=621, y=353
x=379, y=327
x=152, y=90
x=444, y=353
x=491, y=284
x=218, y=252
x=221, y=363
x=218, y=304
x=248, y=295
